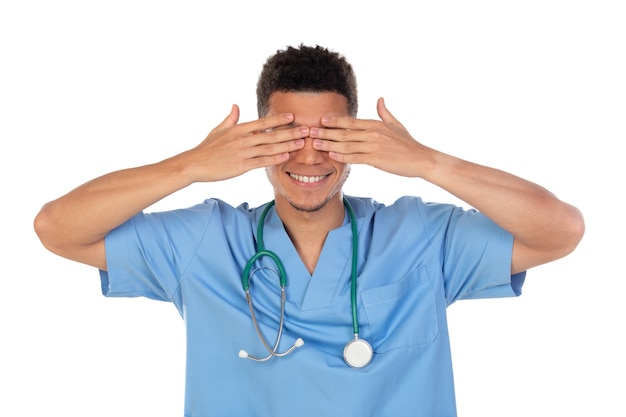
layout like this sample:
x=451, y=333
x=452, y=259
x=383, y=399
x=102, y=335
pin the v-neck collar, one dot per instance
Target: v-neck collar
x=331, y=273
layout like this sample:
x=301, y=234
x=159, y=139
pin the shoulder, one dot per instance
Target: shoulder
x=208, y=209
x=412, y=216
x=403, y=207
x=210, y=215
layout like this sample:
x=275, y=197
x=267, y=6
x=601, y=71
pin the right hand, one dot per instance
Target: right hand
x=233, y=149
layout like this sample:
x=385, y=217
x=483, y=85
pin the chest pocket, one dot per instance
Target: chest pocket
x=403, y=313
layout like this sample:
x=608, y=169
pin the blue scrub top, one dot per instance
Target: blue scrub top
x=415, y=259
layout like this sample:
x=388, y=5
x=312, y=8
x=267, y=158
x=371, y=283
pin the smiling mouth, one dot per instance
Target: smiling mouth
x=308, y=180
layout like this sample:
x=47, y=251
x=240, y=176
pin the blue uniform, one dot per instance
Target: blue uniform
x=415, y=259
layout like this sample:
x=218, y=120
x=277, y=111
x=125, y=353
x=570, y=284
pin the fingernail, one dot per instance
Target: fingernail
x=315, y=131
x=325, y=119
x=304, y=130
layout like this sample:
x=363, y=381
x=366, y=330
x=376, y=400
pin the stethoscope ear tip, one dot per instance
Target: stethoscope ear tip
x=299, y=342
x=243, y=354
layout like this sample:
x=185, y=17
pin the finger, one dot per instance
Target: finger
x=335, y=134
x=268, y=160
x=346, y=122
x=347, y=147
x=269, y=122
x=273, y=141
x=349, y=158
x=276, y=142
x=272, y=154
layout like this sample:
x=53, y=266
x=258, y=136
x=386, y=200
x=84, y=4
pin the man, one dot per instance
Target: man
x=412, y=259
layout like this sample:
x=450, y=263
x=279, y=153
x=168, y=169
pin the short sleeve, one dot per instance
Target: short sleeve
x=147, y=255
x=477, y=260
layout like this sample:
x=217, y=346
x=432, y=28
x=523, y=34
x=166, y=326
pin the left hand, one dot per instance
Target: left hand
x=384, y=144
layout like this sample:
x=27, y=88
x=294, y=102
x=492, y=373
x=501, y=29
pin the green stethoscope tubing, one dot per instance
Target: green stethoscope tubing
x=261, y=251
x=355, y=258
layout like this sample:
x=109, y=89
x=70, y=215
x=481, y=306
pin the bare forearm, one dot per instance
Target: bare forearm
x=544, y=227
x=86, y=214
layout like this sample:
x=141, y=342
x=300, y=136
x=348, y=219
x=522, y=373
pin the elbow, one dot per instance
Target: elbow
x=557, y=242
x=573, y=230
x=47, y=230
x=42, y=226
x=65, y=239
x=579, y=229
x=559, y=237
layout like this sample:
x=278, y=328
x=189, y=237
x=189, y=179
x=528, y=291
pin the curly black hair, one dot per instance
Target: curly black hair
x=306, y=68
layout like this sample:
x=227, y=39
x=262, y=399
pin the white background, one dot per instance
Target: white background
x=536, y=88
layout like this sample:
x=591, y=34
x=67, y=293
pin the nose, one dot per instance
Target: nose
x=308, y=155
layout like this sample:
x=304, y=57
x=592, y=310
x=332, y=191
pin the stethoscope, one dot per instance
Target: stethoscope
x=357, y=353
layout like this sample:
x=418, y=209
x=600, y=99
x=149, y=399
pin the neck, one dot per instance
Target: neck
x=308, y=230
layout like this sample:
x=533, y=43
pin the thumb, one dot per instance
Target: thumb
x=232, y=118
x=384, y=114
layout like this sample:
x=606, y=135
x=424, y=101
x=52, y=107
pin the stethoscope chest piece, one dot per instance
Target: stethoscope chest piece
x=358, y=353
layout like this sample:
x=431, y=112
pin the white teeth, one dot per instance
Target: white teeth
x=303, y=178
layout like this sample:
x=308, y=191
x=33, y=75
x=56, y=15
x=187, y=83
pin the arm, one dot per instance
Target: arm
x=74, y=225
x=544, y=228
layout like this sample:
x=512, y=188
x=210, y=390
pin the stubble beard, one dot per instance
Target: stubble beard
x=321, y=205
x=311, y=209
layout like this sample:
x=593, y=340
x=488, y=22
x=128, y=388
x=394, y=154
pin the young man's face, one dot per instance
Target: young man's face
x=309, y=179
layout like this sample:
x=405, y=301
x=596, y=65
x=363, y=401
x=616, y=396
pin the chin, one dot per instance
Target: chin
x=308, y=208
